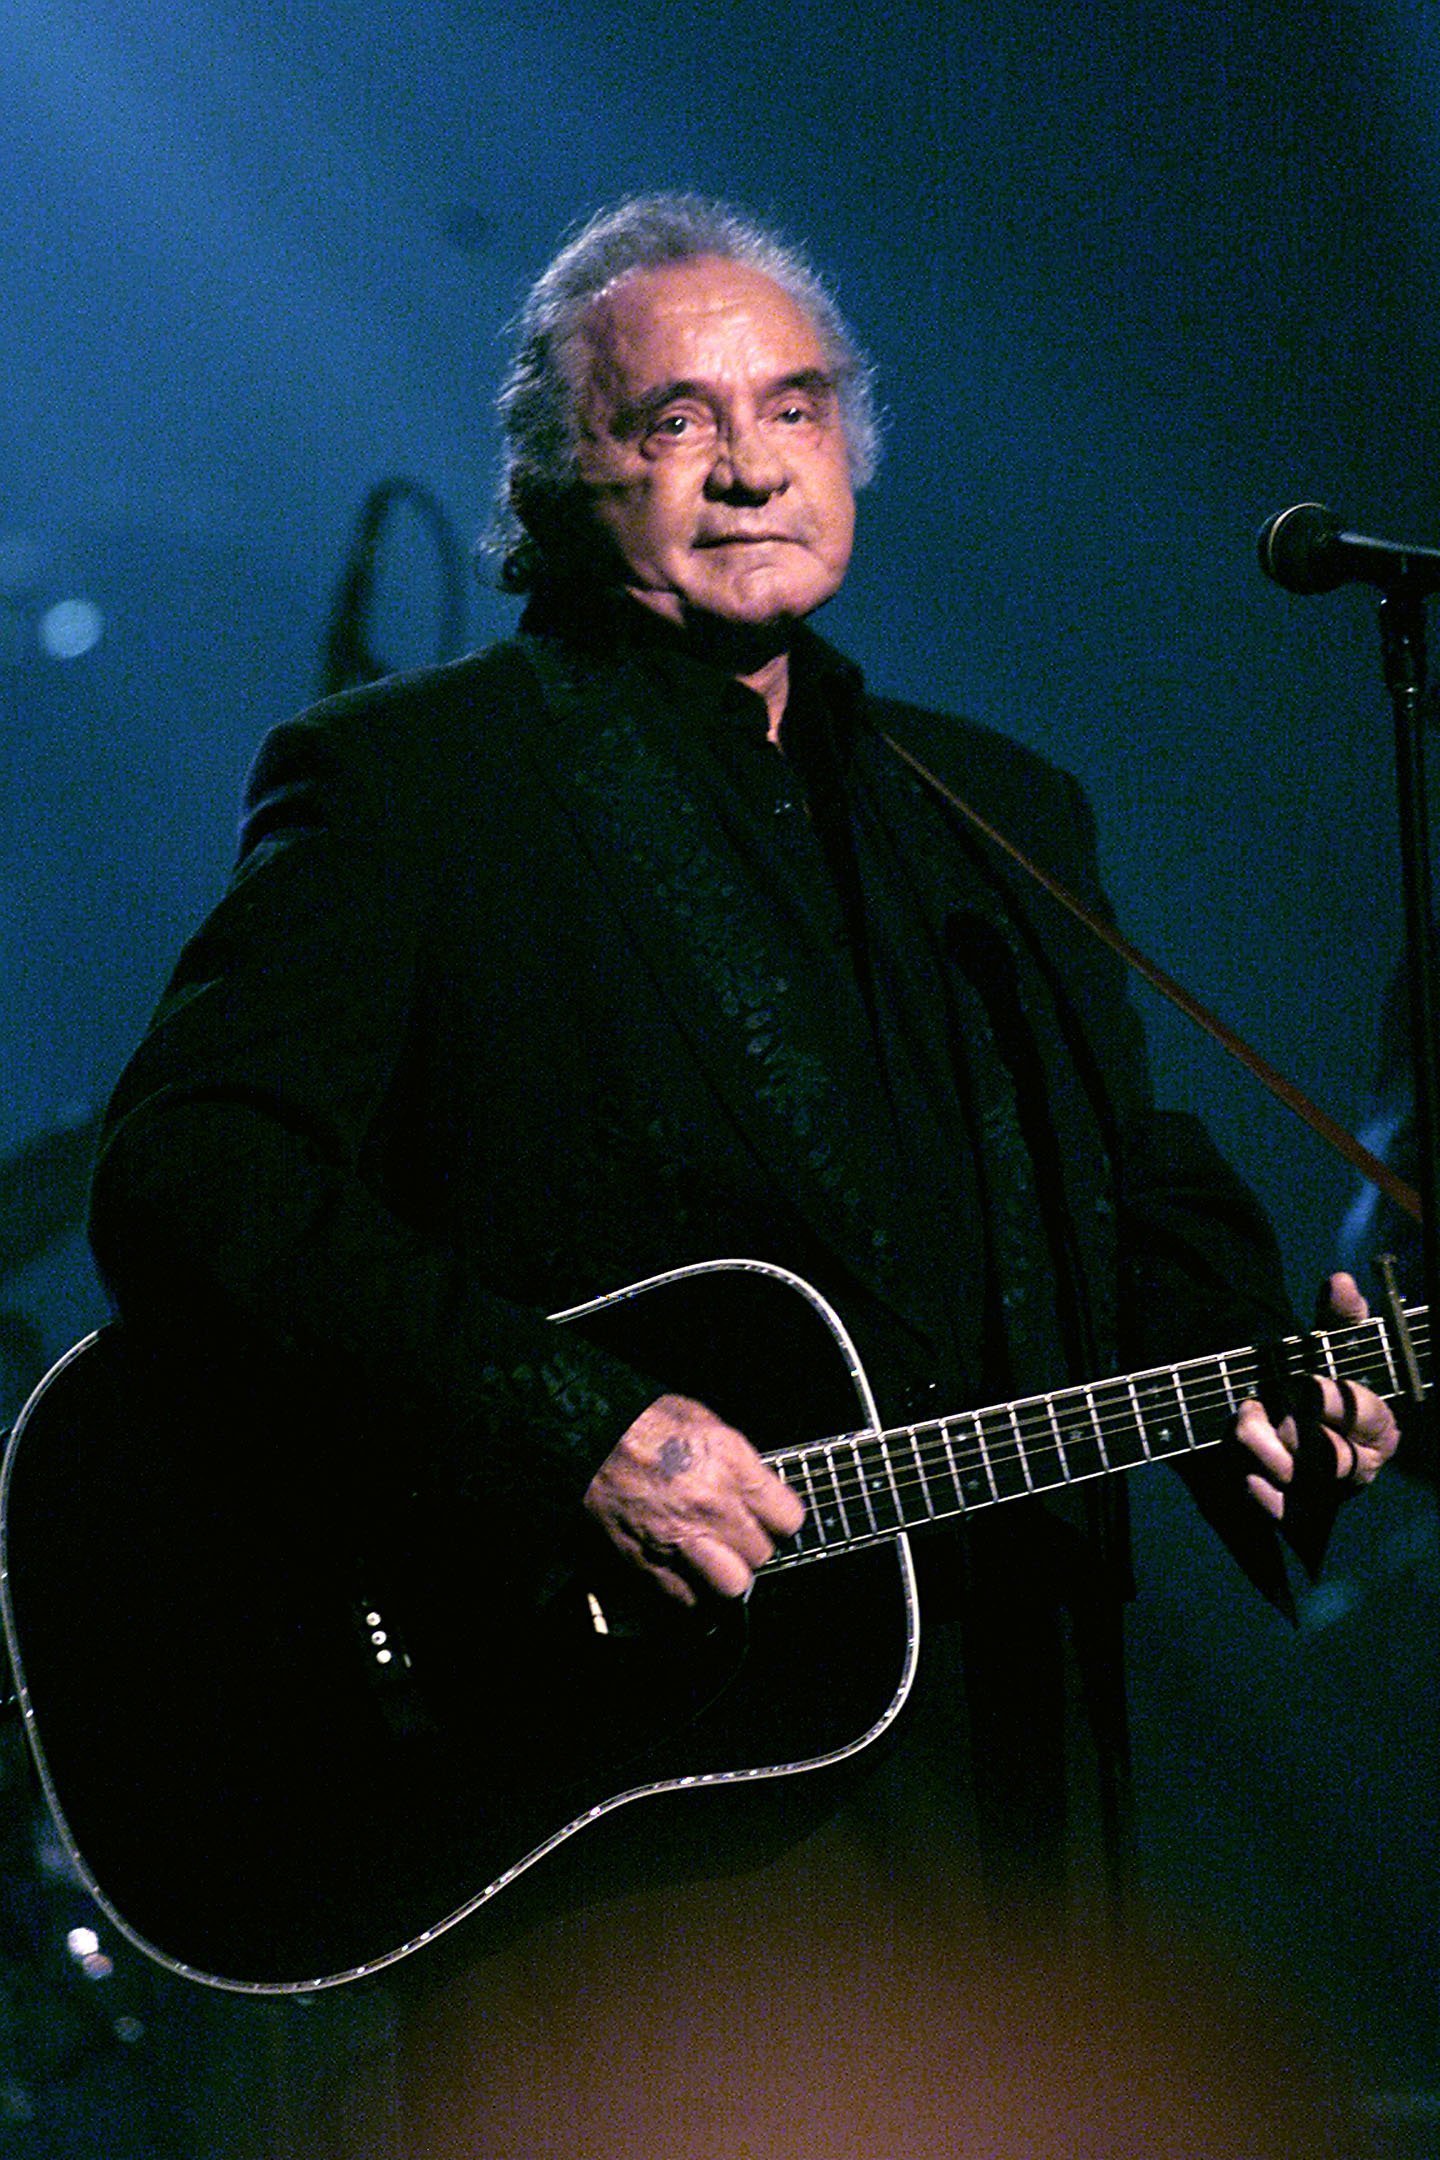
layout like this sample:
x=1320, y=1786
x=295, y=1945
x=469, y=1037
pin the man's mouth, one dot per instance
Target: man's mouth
x=746, y=539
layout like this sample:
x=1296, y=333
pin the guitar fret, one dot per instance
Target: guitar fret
x=987, y=1463
x=1062, y=1440
x=1360, y=1366
x=1085, y=1449
x=811, y=1533
x=1099, y=1431
x=1383, y=1334
x=894, y=1488
x=974, y=1481
x=1044, y=1477
x=1022, y=1453
x=836, y=1514
x=1141, y=1433
x=1180, y=1398
x=1157, y=1426
x=920, y=1471
x=863, y=1481
x=1232, y=1400
x=944, y=1431
x=883, y=1495
x=1005, y=1464
x=1382, y=1342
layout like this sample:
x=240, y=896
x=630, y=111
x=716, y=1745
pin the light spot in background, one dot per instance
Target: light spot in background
x=84, y=1946
x=71, y=628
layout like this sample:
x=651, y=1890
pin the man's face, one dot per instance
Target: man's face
x=711, y=446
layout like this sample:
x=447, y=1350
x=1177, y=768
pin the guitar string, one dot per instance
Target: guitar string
x=873, y=1487
x=861, y=1466
x=867, y=1494
x=1035, y=1413
x=952, y=1455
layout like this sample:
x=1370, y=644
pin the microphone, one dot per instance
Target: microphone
x=1304, y=550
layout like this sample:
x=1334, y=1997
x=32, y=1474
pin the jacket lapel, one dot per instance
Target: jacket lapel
x=710, y=945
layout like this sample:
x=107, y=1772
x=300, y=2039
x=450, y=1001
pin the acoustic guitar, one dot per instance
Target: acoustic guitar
x=288, y=1741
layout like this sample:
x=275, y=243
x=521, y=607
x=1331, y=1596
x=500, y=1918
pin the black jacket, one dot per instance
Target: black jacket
x=489, y=1021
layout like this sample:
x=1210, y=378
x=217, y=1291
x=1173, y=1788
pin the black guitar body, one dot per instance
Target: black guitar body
x=290, y=1734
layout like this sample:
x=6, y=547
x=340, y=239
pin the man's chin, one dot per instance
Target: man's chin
x=756, y=606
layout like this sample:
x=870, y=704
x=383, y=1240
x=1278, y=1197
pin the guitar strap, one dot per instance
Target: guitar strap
x=1330, y=1130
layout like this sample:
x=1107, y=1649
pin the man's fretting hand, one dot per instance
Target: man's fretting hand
x=688, y=1500
x=1359, y=1425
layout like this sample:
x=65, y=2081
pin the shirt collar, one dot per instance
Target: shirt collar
x=611, y=626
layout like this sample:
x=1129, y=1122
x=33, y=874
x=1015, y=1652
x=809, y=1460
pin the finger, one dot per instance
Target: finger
x=698, y=1561
x=767, y=1496
x=1273, y=1449
x=1359, y=1462
x=654, y=1561
x=1262, y=1490
x=674, y=1586
x=1349, y=1412
x=685, y=1553
x=717, y=1564
x=1340, y=1424
x=743, y=1501
x=1347, y=1461
x=772, y=1501
x=746, y=1536
x=1361, y=1426
x=1341, y=1299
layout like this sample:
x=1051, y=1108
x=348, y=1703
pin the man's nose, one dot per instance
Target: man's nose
x=747, y=465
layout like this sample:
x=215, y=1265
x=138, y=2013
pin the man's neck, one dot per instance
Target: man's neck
x=757, y=655
x=771, y=682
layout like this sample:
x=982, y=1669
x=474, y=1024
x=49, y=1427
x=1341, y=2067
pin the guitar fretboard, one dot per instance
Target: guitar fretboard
x=862, y=1487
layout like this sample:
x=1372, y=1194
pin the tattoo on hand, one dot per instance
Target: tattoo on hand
x=675, y=1457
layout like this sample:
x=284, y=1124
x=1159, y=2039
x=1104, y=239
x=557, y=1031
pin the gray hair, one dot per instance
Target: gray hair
x=539, y=512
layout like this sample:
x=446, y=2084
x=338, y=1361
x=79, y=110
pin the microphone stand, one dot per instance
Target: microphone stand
x=1402, y=635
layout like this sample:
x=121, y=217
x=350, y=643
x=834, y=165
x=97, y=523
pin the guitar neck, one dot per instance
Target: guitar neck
x=863, y=1487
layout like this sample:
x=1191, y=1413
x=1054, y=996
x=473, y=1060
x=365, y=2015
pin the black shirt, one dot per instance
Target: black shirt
x=906, y=966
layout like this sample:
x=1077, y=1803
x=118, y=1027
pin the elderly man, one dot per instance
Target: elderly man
x=631, y=943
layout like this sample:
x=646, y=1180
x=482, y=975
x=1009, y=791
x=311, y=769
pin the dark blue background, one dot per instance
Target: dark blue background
x=1134, y=277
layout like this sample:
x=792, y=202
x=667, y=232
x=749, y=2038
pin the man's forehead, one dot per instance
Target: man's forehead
x=706, y=308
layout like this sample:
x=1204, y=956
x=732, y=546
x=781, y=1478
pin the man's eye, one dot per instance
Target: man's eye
x=676, y=427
